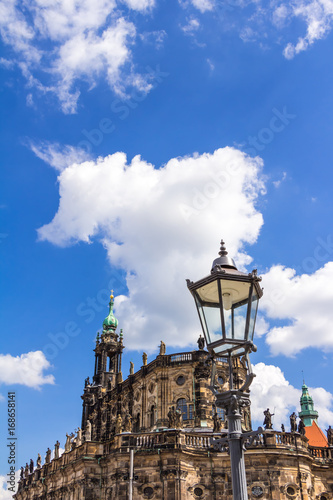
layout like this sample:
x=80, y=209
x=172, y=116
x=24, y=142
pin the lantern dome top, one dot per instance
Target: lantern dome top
x=223, y=261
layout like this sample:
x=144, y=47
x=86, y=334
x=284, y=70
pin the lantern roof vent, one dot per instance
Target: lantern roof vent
x=223, y=261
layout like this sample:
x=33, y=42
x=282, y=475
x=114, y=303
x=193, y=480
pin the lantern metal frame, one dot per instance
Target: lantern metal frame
x=225, y=270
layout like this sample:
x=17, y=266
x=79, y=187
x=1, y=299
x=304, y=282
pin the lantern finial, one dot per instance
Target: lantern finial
x=223, y=250
x=223, y=261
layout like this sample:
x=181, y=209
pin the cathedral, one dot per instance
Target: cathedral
x=149, y=437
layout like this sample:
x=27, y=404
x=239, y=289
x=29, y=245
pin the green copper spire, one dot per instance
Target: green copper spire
x=110, y=322
x=308, y=414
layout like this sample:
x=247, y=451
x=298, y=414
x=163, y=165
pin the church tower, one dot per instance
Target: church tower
x=308, y=414
x=107, y=375
x=108, y=352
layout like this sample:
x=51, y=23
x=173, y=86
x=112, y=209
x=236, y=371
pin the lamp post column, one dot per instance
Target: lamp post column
x=232, y=401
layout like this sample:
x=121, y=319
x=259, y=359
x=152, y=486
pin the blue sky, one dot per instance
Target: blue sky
x=134, y=136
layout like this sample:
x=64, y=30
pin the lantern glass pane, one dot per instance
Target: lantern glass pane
x=254, y=308
x=207, y=299
x=202, y=318
x=213, y=320
x=235, y=296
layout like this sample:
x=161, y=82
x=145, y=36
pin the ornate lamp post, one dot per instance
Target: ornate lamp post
x=227, y=302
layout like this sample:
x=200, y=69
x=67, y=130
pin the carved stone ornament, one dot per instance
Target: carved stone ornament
x=257, y=490
x=231, y=402
x=151, y=387
x=137, y=396
x=197, y=491
x=290, y=490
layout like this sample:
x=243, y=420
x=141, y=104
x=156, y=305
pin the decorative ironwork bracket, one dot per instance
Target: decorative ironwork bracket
x=246, y=438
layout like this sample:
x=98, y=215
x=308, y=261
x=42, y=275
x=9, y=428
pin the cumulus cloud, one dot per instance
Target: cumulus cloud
x=65, y=43
x=270, y=389
x=303, y=302
x=27, y=369
x=161, y=225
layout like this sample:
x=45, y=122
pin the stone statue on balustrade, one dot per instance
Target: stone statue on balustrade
x=127, y=423
x=172, y=418
x=26, y=470
x=178, y=419
x=22, y=473
x=201, y=342
x=282, y=428
x=131, y=368
x=217, y=423
x=56, y=449
x=301, y=428
x=293, y=422
x=268, y=419
x=68, y=443
x=48, y=456
x=87, y=433
x=39, y=461
x=119, y=424
x=144, y=359
x=329, y=432
x=162, y=348
x=78, y=439
x=31, y=466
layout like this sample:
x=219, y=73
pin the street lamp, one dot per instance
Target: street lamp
x=227, y=303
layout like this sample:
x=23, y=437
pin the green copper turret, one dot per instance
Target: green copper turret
x=308, y=414
x=110, y=322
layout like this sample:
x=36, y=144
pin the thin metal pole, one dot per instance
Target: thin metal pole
x=130, y=494
x=237, y=462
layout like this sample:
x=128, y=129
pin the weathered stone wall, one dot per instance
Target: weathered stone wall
x=148, y=395
x=174, y=465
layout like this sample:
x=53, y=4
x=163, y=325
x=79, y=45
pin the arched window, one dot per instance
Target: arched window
x=182, y=406
x=152, y=416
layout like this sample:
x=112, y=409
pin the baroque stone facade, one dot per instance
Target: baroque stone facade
x=164, y=417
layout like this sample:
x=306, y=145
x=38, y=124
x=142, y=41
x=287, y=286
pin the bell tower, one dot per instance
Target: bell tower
x=107, y=372
x=108, y=352
x=308, y=414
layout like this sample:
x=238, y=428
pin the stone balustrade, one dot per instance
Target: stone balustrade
x=175, y=438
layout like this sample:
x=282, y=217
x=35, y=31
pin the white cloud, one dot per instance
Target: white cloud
x=4, y=493
x=281, y=15
x=140, y=4
x=70, y=42
x=318, y=16
x=203, y=5
x=56, y=155
x=256, y=20
x=191, y=27
x=211, y=65
x=304, y=302
x=27, y=369
x=155, y=37
x=270, y=389
x=278, y=183
x=151, y=220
